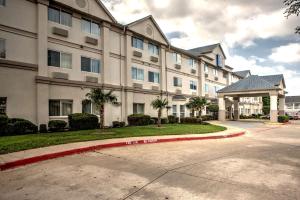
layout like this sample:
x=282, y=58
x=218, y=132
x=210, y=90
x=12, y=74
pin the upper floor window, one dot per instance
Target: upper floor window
x=215, y=72
x=60, y=107
x=206, y=88
x=219, y=60
x=177, y=82
x=2, y=2
x=206, y=68
x=90, y=27
x=192, y=63
x=153, y=49
x=2, y=48
x=193, y=85
x=137, y=43
x=137, y=74
x=3, y=104
x=153, y=77
x=90, y=65
x=59, y=16
x=59, y=59
x=177, y=58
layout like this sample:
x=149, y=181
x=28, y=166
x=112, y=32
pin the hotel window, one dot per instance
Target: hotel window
x=289, y=105
x=192, y=63
x=215, y=72
x=182, y=110
x=206, y=68
x=193, y=85
x=153, y=77
x=89, y=107
x=2, y=2
x=59, y=59
x=206, y=88
x=153, y=49
x=177, y=58
x=177, y=82
x=60, y=107
x=137, y=74
x=90, y=27
x=2, y=48
x=174, y=110
x=296, y=105
x=138, y=108
x=59, y=16
x=90, y=65
x=137, y=43
x=219, y=60
x=3, y=104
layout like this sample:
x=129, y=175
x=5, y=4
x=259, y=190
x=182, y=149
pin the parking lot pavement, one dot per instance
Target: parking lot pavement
x=264, y=164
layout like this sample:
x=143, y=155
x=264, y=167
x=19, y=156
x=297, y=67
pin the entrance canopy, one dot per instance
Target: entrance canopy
x=252, y=86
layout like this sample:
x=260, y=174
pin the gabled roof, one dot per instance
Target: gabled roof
x=275, y=79
x=184, y=52
x=154, y=22
x=207, y=49
x=106, y=11
x=292, y=99
x=252, y=83
x=242, y=74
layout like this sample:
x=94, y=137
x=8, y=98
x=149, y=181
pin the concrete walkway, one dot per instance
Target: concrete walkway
x=12, y=157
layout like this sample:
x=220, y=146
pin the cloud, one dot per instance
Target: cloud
x=176, y=34
x=289, y=53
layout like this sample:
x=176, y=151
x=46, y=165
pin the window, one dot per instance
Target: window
x=177, y=58
x=60, y=107
x=219, y=60
x=137, y=74
x=296, y=105
x=59, y=59
x=174, y=110
x=215, y=72
x=90, y=27
x=206, y=88
x=153, y=49
x=289, y=105
x=3, y=104
x=206, y=68
x=153, y=77
x=59, y=16
x=177, y=82
x=90, y=65
x=192, y=63
x=193, y=85
x=182, y=110
x=89, y=107
x=138, y=108
x=2, y=48
x=2, y=2
x=137, y=43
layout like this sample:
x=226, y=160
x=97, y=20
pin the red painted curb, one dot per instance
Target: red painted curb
x=35, y=159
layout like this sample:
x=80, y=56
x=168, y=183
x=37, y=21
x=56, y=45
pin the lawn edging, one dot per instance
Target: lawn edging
x=39, y=158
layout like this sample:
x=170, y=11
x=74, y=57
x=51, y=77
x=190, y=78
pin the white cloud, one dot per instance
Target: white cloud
x=286, y=54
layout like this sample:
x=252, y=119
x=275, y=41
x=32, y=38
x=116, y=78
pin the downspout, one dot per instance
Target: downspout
x=121, y=85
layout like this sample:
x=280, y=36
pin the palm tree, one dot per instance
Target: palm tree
x=197, y=104
x=100, y=98
x=159, y=104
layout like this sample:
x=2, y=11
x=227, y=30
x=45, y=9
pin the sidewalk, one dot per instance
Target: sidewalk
x=39, y=154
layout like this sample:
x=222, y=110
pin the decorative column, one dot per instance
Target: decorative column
x=281, y=105
x=221, y=102
x=273, y=107
x=105, y=52
x=236, y=114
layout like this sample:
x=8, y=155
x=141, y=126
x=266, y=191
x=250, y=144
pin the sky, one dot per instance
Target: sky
x=254, y=34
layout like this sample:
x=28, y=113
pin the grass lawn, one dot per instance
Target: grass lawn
x=10, y=144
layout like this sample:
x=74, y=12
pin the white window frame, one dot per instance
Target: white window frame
x=177, y=58
x=154, y=73
x=61, y=101
x=206, y=68
x=138, y=70
x=193, y=84
x=4, y=106
x=174, y=113
x=60, y=11
x=60, y=57
x=133, y=38
x=215, y=72
x=153, y=49
x=206, y=88
x=91, y=22
x=138, y=105
x=192, y=63
x=91, y=61
x=179, y=82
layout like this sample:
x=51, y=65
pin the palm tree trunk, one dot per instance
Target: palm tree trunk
x=159, y=118
x=200, y=114
x=101, y=116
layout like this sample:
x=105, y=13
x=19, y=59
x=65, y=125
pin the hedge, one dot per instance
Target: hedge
x=138, y=120
x=163, y=120
x=190, y=120
x=57, y=125
x=3, y=123
x=82, y=121
x=173, y=119
x=283, y=118
x=117, y=124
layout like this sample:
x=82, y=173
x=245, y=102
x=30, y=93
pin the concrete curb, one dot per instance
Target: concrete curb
x=35, y=159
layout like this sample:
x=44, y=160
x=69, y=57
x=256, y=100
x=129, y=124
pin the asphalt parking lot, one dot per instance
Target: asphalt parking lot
x=264, y=164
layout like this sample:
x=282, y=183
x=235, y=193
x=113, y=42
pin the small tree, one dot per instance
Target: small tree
x=100, y=98
x=214, y=108
x=159, y=104
x=197, y=104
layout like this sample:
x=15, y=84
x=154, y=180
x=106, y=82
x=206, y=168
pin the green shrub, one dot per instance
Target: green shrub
x=83, y=121
x=164, y=120
x=14, y=120
x=21, y=127
x=283, y=118
x=117, y=124
x=43, y=128
x=138, y=120
x=122, y=124
x=190, y=120
x=3, y=124
x=173, y=119
x=152, y=121
x=207, y=117
x=57, y=125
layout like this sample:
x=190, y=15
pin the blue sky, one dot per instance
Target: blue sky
x=254, y=34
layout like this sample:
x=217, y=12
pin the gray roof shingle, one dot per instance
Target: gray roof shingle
x=242, y=74
x=292, y=99
x=204, y=49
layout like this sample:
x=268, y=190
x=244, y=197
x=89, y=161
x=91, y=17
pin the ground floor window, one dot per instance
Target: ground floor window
x=3, y=102
x=174, y=110
x=60, y=107
x=138, y=108
x=89, y=107
x=182, y=110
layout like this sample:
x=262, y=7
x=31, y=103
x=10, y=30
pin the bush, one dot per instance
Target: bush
x=173, y=119
x=207, y=117
x=152, y=121
x=3, y=124
x=164, y=120
x=21, y=127
x=283, y=118
x=43, y=128
x=57, y=125
x=117, y=124
x=14, y=120
x=138, y=120
x=83, y=121
x=190, y=120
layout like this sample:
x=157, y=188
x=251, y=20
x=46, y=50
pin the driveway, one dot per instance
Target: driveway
x=264, y=164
